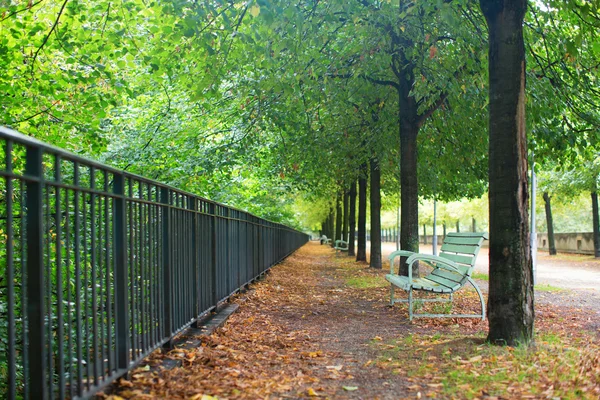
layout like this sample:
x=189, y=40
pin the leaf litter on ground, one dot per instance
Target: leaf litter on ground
x=319, y=326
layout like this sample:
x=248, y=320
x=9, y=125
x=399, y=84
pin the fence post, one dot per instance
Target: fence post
x=213, y=252
x=193, y=207
x=166, y=261
x=121, y=298
x=227, y=244
x=35, y=275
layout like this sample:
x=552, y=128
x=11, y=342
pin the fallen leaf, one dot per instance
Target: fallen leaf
x=350, y=388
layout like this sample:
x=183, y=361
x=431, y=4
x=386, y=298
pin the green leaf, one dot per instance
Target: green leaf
x=254, y=10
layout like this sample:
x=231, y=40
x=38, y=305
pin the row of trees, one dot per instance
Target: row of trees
x=260, y=103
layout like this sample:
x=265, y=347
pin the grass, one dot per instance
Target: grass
x=481, y=276
x=547, y=288
x=541, y=288
x=366, y=282
x=448, y=365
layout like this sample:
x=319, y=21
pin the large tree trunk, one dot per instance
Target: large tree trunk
x=352, y=222
x=338, y=217
x=409, y=187
x=375, y=196
x=510, y=311
x=361, y=251
x=595, y=224
x=550, y=225
x=331, y=221
x=345, y=220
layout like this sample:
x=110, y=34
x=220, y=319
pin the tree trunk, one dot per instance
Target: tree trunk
x=361, y=251
x=338, y=217
x=474, y=225
x=375, y=196
x=352, y=218
x=331, y=220
x=550, y=225
x=409, y=190
x=457, y=226
x=345, y=220
x=510, y=311
x=595, y=224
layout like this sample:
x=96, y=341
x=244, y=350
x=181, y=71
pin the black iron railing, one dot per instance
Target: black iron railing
x=99, y=267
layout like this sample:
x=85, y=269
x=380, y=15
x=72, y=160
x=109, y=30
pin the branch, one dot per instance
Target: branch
x=45, y=110
x=382, y=82
x=29, y=7
x=164, y=114
x=62, y=8
x=427, y=113
x=105, y=20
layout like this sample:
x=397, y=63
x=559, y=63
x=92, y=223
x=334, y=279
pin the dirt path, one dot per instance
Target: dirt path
x=315, y=327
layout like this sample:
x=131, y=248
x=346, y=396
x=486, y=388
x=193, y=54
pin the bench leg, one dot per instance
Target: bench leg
x=391, y=295
x=410, y=304
x=480, y=298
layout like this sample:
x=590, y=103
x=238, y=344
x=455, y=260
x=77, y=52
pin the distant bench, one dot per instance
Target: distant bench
x=325, y=240
x=341, y=245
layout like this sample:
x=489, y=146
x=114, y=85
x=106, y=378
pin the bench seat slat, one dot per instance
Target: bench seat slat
x=418, y=284
x=461, y=240
x=440, y=280
x=454, y=277
x=460, y=248
x=459, y=259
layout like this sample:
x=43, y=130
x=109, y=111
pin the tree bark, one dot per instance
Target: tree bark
x=375, y=196
x=549, y=225
x=338, y=217
x=330, y=221
x=345, y=220
x=510, y=311
x=361, y=250
x=409, y=187
x=352, y=218
x=595, y=224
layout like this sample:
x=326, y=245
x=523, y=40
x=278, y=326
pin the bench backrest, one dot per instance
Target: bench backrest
x=462, y=248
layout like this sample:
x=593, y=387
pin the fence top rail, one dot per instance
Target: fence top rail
x=7, y=134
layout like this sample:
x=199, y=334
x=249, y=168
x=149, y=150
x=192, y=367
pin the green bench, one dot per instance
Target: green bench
x=452, y=270
x=325, y=240
x=341, y=245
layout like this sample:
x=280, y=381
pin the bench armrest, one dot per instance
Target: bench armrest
x=440, y=262
x=399, y=253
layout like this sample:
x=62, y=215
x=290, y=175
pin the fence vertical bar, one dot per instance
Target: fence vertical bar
x=193, y=206
x=38, y=383
x=213, y=252
x=166, y=261
x=121, y=303
x=10, y=279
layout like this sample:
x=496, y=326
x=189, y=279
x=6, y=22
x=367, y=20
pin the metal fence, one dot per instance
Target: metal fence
x=99, y=267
